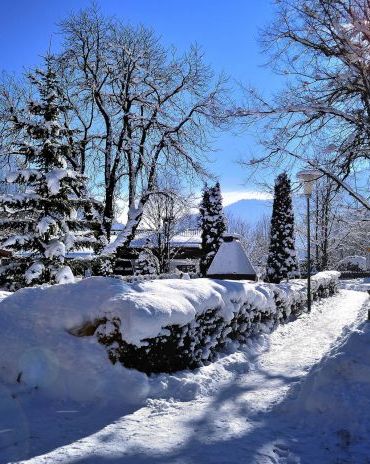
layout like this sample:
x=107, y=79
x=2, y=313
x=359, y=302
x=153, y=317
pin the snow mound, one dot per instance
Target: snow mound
x=336, y=394
x=4, y=294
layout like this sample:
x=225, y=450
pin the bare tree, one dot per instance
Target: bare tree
x=145, y=108
x=338, y=228
x=321, y=46
x=13, y=94
x=255, y=239
x=163, y=214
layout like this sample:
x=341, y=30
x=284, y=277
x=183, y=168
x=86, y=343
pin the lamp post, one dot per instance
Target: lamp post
x=307, y=179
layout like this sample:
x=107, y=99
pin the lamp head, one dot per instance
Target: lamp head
x=307, y=179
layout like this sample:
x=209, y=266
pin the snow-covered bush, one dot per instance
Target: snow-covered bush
x=62, y=343
x=147, y=263
x=165, y=326
x=352, y=263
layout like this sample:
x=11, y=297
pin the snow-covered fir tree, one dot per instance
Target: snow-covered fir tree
x=282, y=260
x=53, y=215
x=212, y=223
x=147, y=263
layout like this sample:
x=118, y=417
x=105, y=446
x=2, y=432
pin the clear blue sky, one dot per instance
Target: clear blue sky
x=226, y=30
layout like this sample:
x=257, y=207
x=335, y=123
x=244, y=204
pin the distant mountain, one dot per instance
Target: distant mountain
x=250, y=211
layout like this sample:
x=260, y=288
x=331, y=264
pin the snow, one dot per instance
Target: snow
x=34, y=272
x=147, y=238
x=54, y=177
x=44, y=224
x=298, y=395
x=4, y=294
x=231, y=258
x=64, y=275
x=361, y=284
x=55, y=249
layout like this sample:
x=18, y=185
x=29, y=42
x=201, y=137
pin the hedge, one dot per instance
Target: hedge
x=200, y=341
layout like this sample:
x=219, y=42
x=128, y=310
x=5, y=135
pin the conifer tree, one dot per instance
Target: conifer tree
x=282, y=260
x=147, y=263
x=53, y=215
x=212, y=223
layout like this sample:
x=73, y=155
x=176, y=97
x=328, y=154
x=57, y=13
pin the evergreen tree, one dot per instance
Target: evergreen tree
x=212, y=223
x=147, y=263
x=53, y=214
x=282, y=260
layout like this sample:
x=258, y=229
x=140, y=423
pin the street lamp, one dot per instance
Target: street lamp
x=307, y=179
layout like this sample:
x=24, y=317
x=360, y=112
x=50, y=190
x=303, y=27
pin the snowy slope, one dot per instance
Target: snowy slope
x=248, y=407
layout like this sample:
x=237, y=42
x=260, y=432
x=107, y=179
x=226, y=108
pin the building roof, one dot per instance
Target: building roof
x=231, y=258
x=190, y=238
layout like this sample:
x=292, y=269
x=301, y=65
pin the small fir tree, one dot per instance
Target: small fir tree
x=147, y=263
x=213, y=225
x=282, y=260
x=53, y=215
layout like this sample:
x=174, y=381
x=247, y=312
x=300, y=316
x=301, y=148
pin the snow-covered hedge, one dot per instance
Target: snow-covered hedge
x=148, y=277
x=161, y=325
x=174, y=325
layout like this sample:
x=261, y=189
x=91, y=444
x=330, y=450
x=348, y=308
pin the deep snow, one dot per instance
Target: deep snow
x=300, y=394
x=360, y=284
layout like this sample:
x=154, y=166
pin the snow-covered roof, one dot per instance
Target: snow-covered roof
x=190, y=239
x=231, y=258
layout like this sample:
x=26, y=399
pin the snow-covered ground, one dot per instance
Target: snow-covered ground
x=361, y=284
x=299, y=395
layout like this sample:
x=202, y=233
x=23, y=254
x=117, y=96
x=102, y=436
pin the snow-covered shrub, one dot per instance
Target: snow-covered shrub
x=61, y=337
x=352, y=263
x=147, y=263
x=191, y=321
x=105, y=266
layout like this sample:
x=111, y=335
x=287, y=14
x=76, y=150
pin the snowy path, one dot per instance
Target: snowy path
x=232, y=411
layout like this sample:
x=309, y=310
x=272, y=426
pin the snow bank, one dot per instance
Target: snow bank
x=336, y=395
x=36, y=349
x=4, y=294
x=58, y=337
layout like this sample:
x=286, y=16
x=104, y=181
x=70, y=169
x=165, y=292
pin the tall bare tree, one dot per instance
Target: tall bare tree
x=255, y=238
x=338, y=229
x=145, y=109
x=13, y=94
x=163, y=214
x=322, y=48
